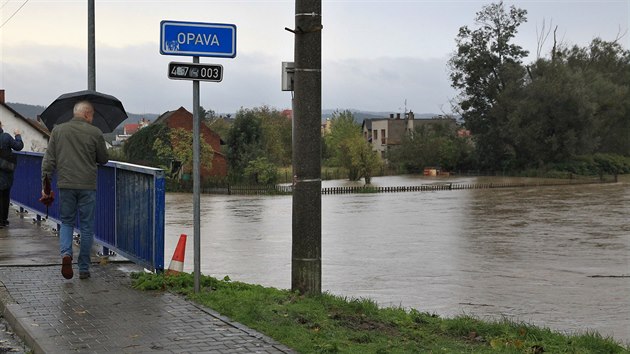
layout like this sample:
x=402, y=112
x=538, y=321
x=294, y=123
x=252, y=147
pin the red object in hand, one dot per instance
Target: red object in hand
x=50, y=195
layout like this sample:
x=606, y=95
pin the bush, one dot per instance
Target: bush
x=590, y=165
x=261, y=171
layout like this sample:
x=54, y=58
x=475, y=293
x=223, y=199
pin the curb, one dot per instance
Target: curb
x=12, y=314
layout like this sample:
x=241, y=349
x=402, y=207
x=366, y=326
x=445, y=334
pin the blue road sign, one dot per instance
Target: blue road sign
x=198, y=39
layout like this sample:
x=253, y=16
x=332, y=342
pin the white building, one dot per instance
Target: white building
x=34, y=135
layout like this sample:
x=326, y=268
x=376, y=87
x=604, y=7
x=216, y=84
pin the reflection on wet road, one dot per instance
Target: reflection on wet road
x=552, y=256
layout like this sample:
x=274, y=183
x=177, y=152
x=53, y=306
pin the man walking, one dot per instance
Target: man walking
x=74, y=150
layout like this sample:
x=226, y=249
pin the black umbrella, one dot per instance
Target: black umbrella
x=108, y=110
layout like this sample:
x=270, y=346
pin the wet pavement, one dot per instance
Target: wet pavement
x=102, y=314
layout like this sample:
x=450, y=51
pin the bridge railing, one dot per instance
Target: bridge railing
x=129, y=211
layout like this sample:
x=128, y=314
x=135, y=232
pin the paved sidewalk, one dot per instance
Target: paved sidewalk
x=103, y=314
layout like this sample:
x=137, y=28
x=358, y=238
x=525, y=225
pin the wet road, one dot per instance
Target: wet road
x=551, y=256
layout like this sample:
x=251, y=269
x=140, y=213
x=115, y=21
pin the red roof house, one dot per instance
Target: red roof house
x=181, y=118
x=130, y=129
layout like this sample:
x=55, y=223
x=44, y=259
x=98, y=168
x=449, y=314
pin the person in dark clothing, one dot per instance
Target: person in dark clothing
x=7, y=145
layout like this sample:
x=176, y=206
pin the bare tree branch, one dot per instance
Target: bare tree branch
x=542, y=37
x=555, y=43
x=620, y=35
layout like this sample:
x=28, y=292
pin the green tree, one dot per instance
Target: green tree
x=363, y=158
x=138, y=148
x=605, y=67
x=206, y=115
x=553, y=121
x=220, y=126
x=261, y=171
x=244, y=141
x=255, y=133
x=435, y=144
x=486, y=65
x=343, y=130
x=179, y=147
x=576, y=103
x=276, y=135
x=217, y=123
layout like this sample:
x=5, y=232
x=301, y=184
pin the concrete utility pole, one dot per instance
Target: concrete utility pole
x=91, y=47
x=306, y=265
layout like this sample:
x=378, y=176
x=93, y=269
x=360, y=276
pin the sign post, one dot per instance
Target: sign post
x=196, y=185
x=197, y=39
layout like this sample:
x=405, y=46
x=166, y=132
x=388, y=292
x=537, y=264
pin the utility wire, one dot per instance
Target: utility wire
x=16, y=11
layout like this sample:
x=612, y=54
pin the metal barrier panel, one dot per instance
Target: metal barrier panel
x=27, y=185
x=129, y=216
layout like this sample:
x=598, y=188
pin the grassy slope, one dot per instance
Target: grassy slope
x=332, y=324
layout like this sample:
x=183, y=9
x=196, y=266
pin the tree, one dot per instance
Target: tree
x=139, y=147
x=261, y=171
x=576, y=103
x=217, y=123
x=255, y=133
x=486, y=65
x=343, y=130
x=436, y=144
x=605, y=67
x=208, y=115
x=220, y=126
x=363, y=159
x=276, y=135
x=553, y=121
x=179, y=147
x=244, y=141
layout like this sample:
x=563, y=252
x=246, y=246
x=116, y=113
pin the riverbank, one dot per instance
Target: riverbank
x=430, y=184
x=552, y=256
x=333, y=324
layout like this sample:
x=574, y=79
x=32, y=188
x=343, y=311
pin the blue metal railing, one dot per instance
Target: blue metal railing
x=129, y=210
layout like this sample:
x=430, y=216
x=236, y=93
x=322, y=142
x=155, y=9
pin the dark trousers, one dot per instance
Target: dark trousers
x=5, y=197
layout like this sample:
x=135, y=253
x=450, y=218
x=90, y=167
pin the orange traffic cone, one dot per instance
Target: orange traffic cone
x=177, y=263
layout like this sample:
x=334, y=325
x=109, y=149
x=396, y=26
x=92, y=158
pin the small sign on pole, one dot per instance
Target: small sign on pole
x=193, y=71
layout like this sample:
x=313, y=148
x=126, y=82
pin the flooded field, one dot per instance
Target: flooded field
x=551, y=256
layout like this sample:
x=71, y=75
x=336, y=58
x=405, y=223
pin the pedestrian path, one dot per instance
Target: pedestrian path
x=103, y=314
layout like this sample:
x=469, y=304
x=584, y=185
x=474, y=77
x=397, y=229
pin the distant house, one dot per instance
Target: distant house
x=287, y=113
x=181, y=118
x=130, y=129
x=326, y=127
x=34, y=134
x=383, y=133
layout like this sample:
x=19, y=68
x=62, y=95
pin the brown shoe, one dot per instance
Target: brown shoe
x=66, y=267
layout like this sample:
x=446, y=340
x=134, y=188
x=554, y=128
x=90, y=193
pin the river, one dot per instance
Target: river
x=551, y=256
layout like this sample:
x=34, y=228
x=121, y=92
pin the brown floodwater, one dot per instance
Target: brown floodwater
x=552, y=256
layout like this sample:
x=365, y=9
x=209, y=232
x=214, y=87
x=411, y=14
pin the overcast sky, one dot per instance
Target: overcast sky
x=376, y=54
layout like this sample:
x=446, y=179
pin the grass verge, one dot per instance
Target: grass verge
x=333, y=324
